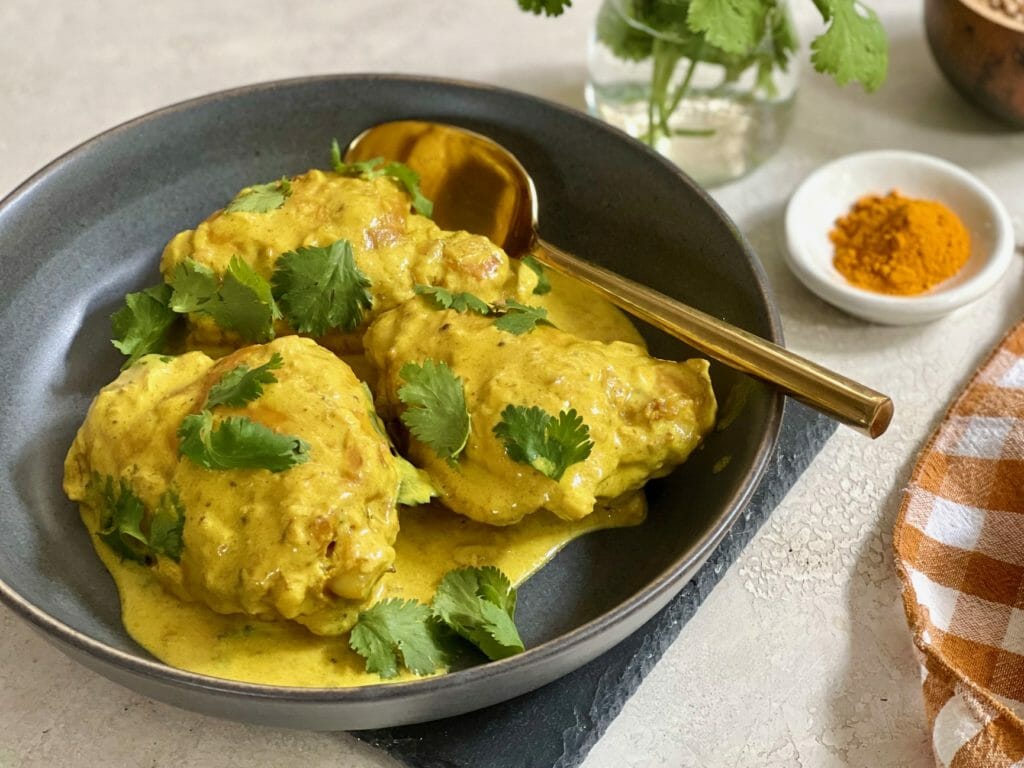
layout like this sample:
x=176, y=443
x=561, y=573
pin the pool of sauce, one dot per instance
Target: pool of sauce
x=432, y=541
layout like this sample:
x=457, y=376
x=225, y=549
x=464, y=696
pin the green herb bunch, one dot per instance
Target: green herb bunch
x=738, y=35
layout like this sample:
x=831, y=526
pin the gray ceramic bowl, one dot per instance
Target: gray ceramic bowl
x=90, y=226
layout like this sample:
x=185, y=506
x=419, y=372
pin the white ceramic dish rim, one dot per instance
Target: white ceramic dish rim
x=886, y=308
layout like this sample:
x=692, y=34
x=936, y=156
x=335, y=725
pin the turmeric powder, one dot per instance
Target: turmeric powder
x=899, y=245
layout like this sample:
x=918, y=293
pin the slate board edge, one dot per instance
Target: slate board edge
x=804, y=433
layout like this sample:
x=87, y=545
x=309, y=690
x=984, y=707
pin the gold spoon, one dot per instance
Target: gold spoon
x=479, y=186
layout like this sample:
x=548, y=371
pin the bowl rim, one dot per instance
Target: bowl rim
x=664, y=586
x=887, y=307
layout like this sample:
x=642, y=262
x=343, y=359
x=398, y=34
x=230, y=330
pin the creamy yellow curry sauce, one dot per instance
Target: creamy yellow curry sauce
x=433, y=540
x=275, y=566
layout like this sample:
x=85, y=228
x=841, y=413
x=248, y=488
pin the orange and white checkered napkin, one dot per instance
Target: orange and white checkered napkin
x=959, y=544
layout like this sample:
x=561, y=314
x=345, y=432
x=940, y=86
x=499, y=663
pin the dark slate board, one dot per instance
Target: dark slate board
x=555, y=726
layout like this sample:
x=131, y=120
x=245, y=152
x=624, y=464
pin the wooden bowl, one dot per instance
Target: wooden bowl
x=980, y=50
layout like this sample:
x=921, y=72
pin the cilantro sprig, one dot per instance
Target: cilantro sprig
x=238, y=442
x=510, y=315
x=737, y=35
x=242, y=301
x=143, y=324
x=376, y=167
x=480, y=605
x=261, y=198
x=241, y=385
x=543, y=283
x=547, y=7
x=550, y=445
x=854, y=47
x=123, y=522
x=398, y=630
x=476, y=604
x=459, y=301
x=314, y=288
x=414, y=486
x=517, y=318
x=319, y=288
x=436, y=414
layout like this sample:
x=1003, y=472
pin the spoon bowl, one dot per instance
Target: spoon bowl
x=479, y=186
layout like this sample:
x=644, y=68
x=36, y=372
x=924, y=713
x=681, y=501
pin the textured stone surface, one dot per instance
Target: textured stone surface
x=800, y=655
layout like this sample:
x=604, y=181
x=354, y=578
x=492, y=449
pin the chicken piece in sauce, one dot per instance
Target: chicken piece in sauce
x=309, y=543
x=645, y=416
x=394, y=247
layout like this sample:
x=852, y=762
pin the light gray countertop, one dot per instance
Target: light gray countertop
x=800, y=657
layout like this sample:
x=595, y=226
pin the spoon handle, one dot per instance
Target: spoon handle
x=843, y=399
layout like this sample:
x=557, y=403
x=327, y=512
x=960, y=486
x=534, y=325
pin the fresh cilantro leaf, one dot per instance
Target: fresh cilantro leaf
x=244, y=303
x=775, y=55
x=238, y=442
x=167, y=527
x=414, y=486
x=261, y=198
x=547, y=7
x=122, y=514
x=411, y=181
x=321, y=288
x=568, y=440
x=480, y=604
x=735, y=26
x=622, y=38
x=460, y=302
x=437, y=414
x=142, y=324
x=241, y=385
x=376, y=167
x=194, y=286
x=519, y=318
x=531, y=436
x=543, y=284
x=364, y=169
x=397, y=628
x=477, y=604
x=524, y=431
x=784, y=40
x=854, y=48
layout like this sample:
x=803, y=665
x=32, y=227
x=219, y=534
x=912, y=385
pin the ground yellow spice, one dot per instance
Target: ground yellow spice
x=899, y=245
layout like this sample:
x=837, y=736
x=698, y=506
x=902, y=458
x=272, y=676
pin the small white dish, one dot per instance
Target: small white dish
x=829, y=192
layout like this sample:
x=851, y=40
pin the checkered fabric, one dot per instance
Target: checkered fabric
x=959, y=543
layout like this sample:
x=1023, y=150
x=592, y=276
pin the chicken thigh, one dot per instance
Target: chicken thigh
x=308, y=543
x=643, y=416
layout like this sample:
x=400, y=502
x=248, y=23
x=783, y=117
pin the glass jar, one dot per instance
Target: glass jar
x=717, y=114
